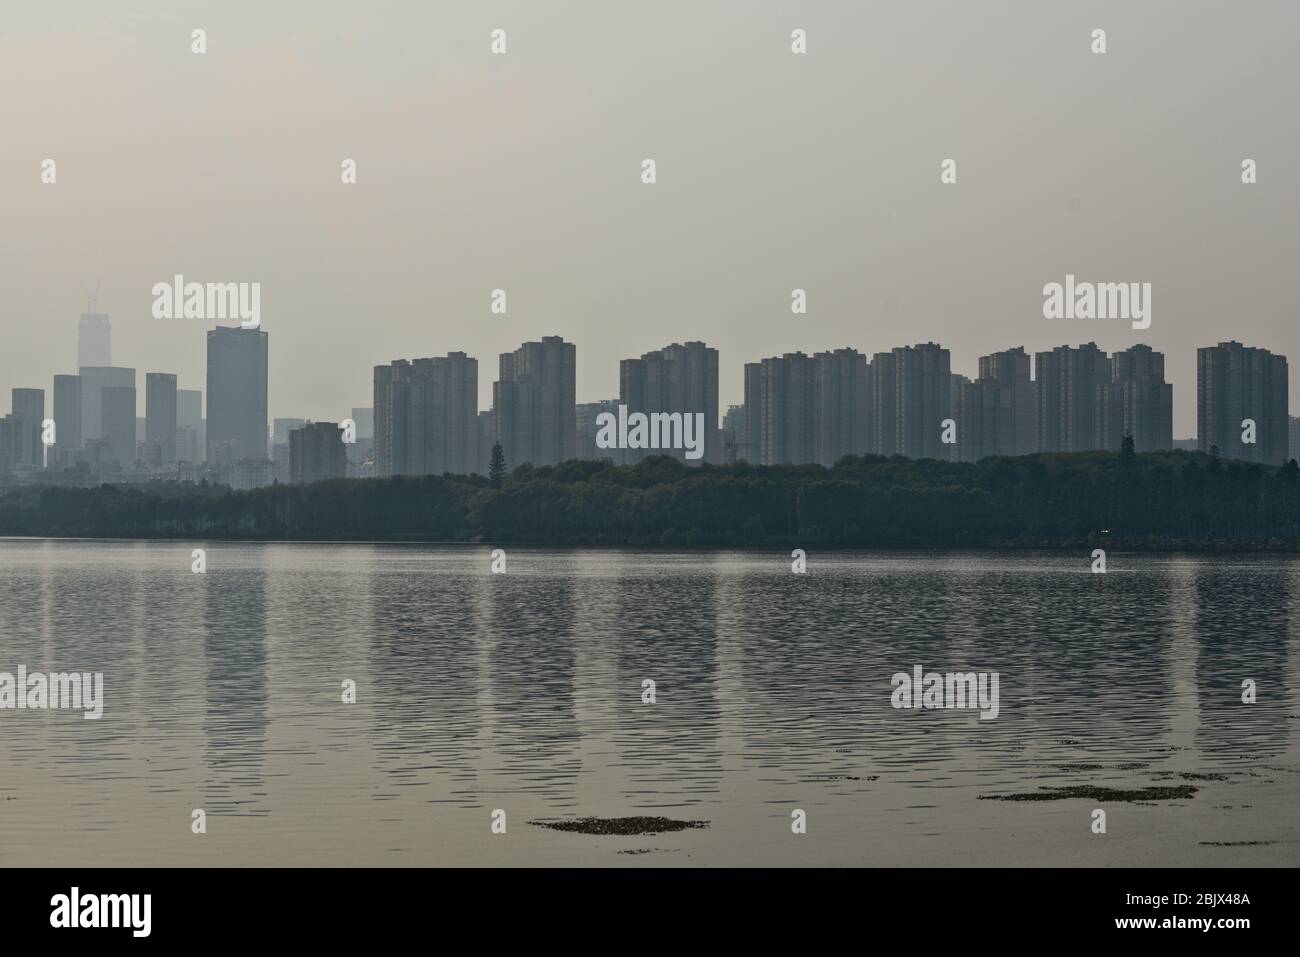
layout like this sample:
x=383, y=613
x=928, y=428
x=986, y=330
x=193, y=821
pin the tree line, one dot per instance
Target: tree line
x=1172, y=499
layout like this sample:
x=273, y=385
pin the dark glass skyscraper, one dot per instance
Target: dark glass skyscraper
x=237, y=385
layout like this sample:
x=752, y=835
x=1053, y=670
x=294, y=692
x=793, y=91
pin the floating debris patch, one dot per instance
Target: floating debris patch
x=627, y=826
x=1175, y=793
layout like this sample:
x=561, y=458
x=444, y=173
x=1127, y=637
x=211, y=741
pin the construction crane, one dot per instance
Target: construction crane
x=91, y=297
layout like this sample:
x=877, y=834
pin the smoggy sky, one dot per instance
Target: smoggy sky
x=522, y=171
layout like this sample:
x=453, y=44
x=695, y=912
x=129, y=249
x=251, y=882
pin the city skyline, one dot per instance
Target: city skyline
x=525, y=178
x=797, y=408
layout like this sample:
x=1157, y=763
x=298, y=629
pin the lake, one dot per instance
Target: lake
x=523, y=692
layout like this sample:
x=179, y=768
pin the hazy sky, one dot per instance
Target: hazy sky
x=522, y=172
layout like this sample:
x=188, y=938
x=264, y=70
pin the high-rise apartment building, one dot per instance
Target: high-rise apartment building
x=317, y=453
x=677, y=378
x=924, y=400
x=425, y=416
x=1238, y=387
x=1067, y=383
x=1137, y=402
x=1013, y=428
x=534, y=402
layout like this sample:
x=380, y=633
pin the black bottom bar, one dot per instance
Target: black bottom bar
x=945, y=907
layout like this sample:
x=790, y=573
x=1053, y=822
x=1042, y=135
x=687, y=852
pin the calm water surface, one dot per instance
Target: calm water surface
x=523, y=692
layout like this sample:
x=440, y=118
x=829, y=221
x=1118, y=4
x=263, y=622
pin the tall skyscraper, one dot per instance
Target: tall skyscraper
x=67, y=420
x=117, y=425
x=426, y=416
x=677, y=378
x=1137, y=402
x=29, y=411
x=924, y=400
x=1014, y=431
x=535, y=405
x=1235, y=383
x=94, y=340
x=1067, y=393
x=237, y=386
x=94, y=379
x=160, y=418
x=1293, y=436
x=316, y=453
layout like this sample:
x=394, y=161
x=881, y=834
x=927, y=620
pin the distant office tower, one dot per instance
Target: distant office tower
x=13, y=443
x=280, y=429
x=237, y=383
x=189, y=407
x=801, y=409
x=365, y=422
x=534, y=400
x=316, y=453
x=735, y=436
x=677, y=378
x=1293, y=436
x=882, y=383
x=587, y=413
x=29, y=410
x=1014, y=431
x=426, y=415
x=1235, y=383
x=94, y=340
x=117, y=425
x=281, y=465
x=160, y=410
x=1068, y=380
x=10, y=443
x=924, y=400
x=94, y=379
x=280, y=453
x=190, y=444
x=67, y=420
x=1137, y=401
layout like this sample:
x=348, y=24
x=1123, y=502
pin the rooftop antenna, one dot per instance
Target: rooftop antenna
x=91, y=297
